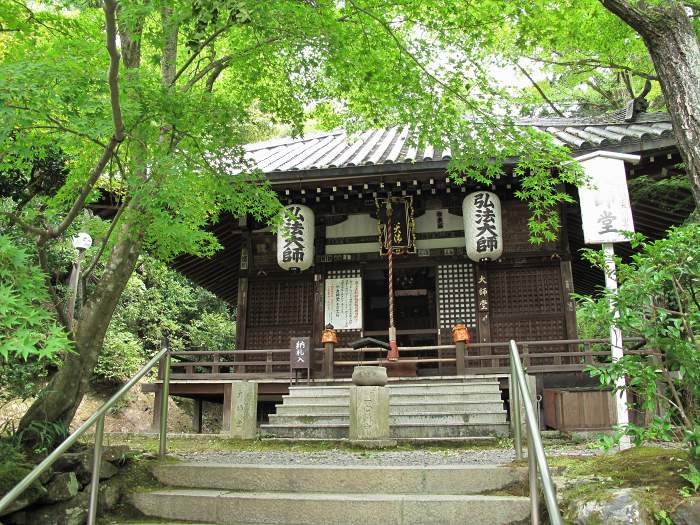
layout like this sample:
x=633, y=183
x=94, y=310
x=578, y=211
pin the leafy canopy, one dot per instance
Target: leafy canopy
x=26, y=326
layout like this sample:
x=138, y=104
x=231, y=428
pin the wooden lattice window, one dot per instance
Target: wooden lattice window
x=525, y=291
x=280, y=303
x=456, y=294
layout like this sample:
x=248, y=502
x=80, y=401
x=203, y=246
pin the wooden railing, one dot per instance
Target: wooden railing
x=539, y=357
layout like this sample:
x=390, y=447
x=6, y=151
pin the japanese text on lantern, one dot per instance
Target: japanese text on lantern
x=485, y=217
x=293, y=250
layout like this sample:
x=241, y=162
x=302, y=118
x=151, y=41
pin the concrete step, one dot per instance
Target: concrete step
x=448, y=430
x=441, y=479
x=406, y=431
x=330, y=509
x=398, y=407
x=427, y=418
x=451, y=388
x=405, y=398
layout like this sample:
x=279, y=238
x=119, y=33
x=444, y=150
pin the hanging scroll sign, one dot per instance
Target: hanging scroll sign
x=295, y=240
x=605, y=203
x=483, y=230
x=403, y=225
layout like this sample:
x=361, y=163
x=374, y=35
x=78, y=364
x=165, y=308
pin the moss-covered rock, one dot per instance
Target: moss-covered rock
x=624, y=506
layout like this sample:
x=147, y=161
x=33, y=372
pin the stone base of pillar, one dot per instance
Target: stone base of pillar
x=369, y=416
x=244, y=410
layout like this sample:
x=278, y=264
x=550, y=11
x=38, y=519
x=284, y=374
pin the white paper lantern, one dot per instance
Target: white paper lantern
x=295, y=240
x=483, y=230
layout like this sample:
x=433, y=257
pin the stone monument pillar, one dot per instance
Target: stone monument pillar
x=369, y=408
x=244, y=409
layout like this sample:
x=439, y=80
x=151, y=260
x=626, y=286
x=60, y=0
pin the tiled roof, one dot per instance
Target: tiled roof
x=336, y=149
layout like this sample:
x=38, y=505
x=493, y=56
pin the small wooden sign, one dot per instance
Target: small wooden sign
x=300, y=355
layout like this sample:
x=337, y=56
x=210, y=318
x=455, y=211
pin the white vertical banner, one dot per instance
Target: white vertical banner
x=606, y=214
x=343, y=303
x=605, y=202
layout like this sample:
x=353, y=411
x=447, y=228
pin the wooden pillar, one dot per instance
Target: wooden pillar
x=226, y=416
x=245, y=268
x=328, y=350
x=460, y=347
x=197, y=415
x=241, y=314
x=567, y=281
x=318, y=318
x=157, y=400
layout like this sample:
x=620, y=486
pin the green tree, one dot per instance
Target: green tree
x=162, y=131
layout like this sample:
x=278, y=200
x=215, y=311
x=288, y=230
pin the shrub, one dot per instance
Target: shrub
x=659, y=299
x=121, y=357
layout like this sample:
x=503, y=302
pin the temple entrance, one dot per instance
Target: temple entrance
x=414, y=300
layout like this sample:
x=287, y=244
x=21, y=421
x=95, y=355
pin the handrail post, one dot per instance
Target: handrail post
x=535, y=447
x=96, y=465
x=516, y=420
x=165, y=389
x=329, y=338
x=532, y=474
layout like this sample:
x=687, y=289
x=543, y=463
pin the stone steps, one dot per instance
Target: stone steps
x=349, y=479
x=335, y=495
x=331, y=509
x=395, y=390
x=404, y=431
x=396, y=408
x=436, y=410
x=434, y=418
x=405, y=398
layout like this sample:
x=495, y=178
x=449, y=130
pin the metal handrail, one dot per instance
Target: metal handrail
x=536, y=458
x=98, y=419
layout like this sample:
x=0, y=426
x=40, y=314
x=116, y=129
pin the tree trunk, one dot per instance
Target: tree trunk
x=674, y=48
x=61, y=397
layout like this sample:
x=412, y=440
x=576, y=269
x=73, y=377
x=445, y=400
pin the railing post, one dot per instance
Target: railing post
x=268, y=363
x=329, y=338
x=532, y=474
x=165, y=393
x=460, y=337
x=587, y=348
x=96, y=464
x=516, y=421
x=535, y=448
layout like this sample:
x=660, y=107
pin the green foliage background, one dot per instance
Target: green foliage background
x=658, y=299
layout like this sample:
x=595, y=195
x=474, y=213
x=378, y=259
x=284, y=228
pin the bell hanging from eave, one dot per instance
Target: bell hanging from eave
x=483, y=232
x=295, y=239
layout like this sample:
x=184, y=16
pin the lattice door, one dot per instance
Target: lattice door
x=527, y=305
x=278, y=310
x=456, y=298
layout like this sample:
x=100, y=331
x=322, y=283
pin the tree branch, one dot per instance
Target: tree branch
x=110, y=8
x=196, y=53
x=539, y=90
x=103, y=245
x=597, y=64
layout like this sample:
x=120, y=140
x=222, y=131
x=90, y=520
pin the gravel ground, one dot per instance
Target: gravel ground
x=373, y=457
